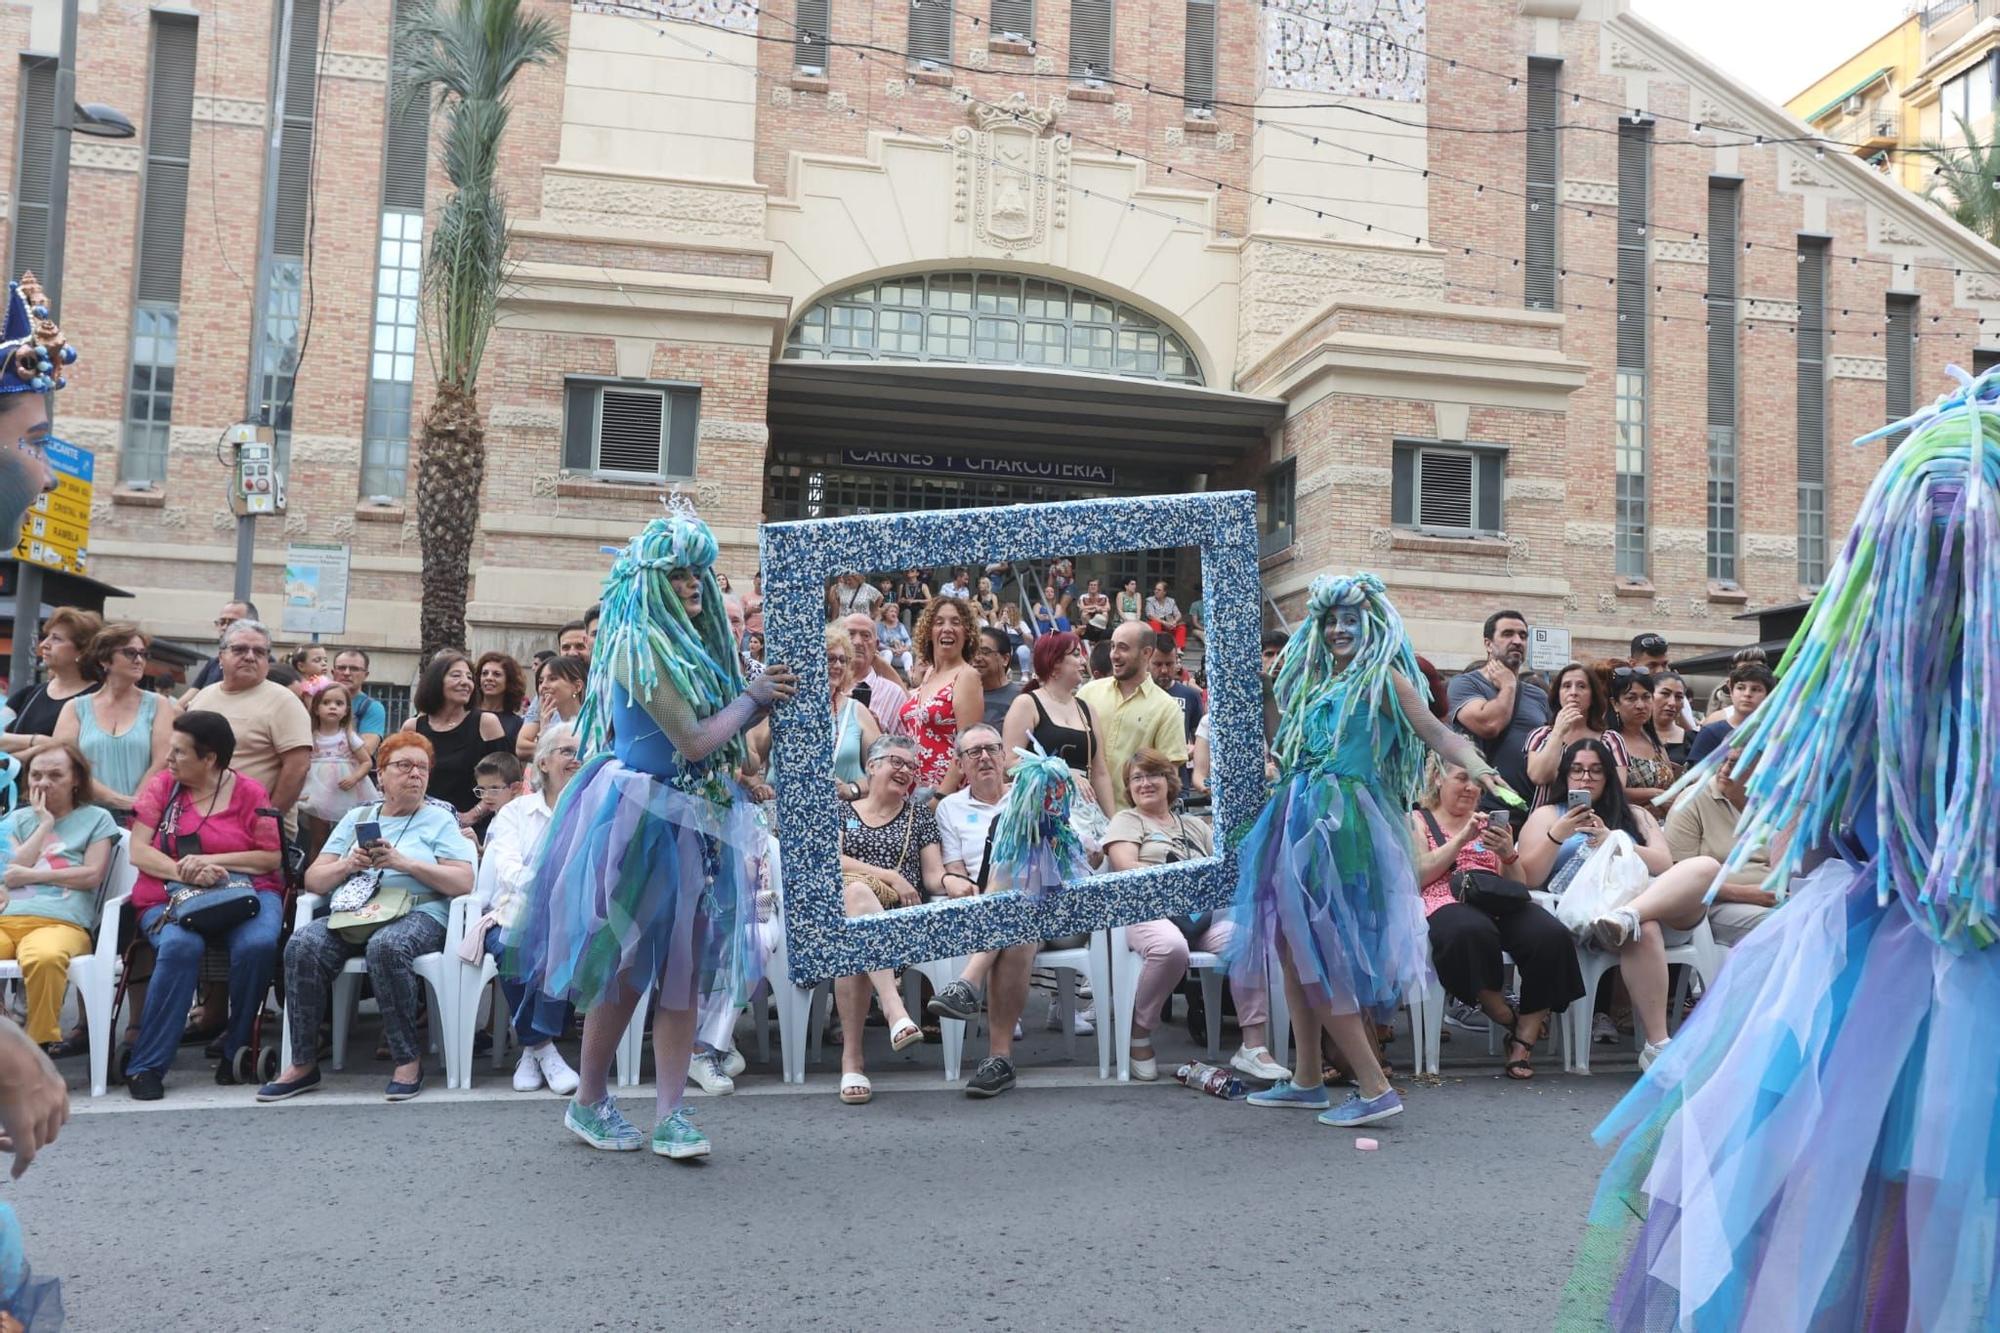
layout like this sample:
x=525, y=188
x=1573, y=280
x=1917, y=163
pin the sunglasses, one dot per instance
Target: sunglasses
x=134, y=654
x=1625, y=674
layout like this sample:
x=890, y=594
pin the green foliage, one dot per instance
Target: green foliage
x=1965, y=182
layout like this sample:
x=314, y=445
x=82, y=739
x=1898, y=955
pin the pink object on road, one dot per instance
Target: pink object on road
x=1367, y=1145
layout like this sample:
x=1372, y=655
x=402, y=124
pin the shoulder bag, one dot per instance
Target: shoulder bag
x=208, y=911
x=884, y=891
x=1495, y=895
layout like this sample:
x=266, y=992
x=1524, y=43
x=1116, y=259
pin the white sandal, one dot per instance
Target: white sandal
x=855, y=1090
x=904, y=1034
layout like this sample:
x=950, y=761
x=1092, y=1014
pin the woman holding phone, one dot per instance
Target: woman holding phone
x=1557, y=840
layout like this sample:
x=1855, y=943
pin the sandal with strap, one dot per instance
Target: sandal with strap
x=1519, y=1070
x=855, y=1090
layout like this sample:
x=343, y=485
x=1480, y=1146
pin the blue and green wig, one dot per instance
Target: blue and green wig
x=1307, y=674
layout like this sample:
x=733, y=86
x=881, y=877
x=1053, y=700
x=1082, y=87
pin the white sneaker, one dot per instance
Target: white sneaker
x=1086, y=1022
x=1055, y=1016
x=1603, y=1031
x=528, y=1073
x=1651, y=1052
x=561, y=1078
x=1258, y=1064
x=705, y=1068
x=734, y=1064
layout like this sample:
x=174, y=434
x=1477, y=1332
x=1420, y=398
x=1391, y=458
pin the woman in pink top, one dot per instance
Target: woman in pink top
x=1466, y=942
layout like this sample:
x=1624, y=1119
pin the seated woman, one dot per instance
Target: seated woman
x=62, y=846
x=1467, y=940
x=197, y=823
x=889, y=857
x=513, y=844
x=1151, y=834
x=420, y=849
x=1556, y=841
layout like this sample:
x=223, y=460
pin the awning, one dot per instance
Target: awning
x=1015, y=412
x=1860, y=87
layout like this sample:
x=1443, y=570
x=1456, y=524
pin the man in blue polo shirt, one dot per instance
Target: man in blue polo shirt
x=371, y=719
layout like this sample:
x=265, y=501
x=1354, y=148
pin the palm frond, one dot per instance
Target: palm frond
x=1965, y=181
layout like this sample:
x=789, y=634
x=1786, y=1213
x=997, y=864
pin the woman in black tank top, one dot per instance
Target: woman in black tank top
x=1059, y=669
x=1072, y=745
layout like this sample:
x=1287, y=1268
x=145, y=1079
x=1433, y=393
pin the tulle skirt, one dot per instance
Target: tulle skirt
x=641, y=883
x=1820, y=1147
x=1326, y=872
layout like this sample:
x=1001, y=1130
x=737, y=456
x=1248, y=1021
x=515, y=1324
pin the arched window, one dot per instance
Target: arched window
x=1002, y=319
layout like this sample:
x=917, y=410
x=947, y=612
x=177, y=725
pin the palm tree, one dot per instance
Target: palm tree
x=465, y=53
x=1965, y=182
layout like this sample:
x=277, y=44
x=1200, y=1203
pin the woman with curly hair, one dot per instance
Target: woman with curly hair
x=1328, y=871
x=502, y=691
x=951, y=697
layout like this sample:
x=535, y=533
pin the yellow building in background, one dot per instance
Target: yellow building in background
x=1912, y=86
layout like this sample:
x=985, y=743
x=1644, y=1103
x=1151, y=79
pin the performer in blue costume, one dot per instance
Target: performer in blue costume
x=648, y=877
x=1328, y=871
x=1818, y=1149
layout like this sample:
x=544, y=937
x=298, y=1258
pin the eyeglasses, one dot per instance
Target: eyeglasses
x=564, y=752
x=246, y=650
x=975, y=751
x=407, y=766
x=134, y=654
x=1579, y=771
x=900, y=764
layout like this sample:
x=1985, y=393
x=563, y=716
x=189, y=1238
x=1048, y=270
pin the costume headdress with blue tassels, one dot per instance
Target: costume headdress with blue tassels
x=1306, y=675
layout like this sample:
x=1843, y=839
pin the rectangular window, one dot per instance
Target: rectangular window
x=1199, y=83
x=1013, y=18
x=149, y=400
x=930, y=33
x=1090, y=40
x=1277, y=507
x=280, y=339
x=1448, y=490
x=1812, y=410
x=31, y=167
x=1725, y=199
x=1544, y=182
x=1630, y=501
x=625, y=430
x=399, y=275
x=811, y=22
x=1900, y=342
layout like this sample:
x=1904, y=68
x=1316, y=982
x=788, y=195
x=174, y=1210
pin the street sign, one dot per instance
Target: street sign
x=56, y=533
x=315, y=589
x=1548, y=649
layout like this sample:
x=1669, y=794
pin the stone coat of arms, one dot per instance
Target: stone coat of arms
x=1011, y=176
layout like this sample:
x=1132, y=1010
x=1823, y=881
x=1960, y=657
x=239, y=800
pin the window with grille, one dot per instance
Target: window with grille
x=31, y=167
x=1277, y=507
x=1544, y=183
x=624, y=430
x=1725, y=198
x=1199, y=84
x=930, y=33
x=1899, y=342
x=1630, y=512
x=1012, y=18
x=280, y=339
x=811, y=22
x=149, y=399
x=1090, y=40
x=1449, y=490
x=1811, y=341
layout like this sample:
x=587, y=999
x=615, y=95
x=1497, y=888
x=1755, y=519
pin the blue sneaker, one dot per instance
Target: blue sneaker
x=1288, y=1094
x=1355, y=1112
x=676, y=1137
x=602, y=1125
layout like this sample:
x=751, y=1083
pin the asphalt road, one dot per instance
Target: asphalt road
x=1066, y=1204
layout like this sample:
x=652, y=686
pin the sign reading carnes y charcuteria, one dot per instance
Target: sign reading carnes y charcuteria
x=1021, y=469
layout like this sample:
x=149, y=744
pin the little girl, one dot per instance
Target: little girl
x=338, y=779
x=313, y=664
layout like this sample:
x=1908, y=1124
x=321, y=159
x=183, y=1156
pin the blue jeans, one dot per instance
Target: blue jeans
x=253, y=955
x=526, y=1030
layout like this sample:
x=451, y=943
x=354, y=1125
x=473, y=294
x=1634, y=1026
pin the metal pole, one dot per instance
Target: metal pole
x=267, y=239
x=28, y=586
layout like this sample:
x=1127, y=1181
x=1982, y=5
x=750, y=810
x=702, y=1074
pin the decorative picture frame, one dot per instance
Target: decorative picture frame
x=800, y=559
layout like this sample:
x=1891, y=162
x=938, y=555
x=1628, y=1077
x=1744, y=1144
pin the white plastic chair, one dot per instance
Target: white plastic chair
x=94, y=975
x=1093, y=962
x=1694, y=948
x=347, y=990
x=1125, y=969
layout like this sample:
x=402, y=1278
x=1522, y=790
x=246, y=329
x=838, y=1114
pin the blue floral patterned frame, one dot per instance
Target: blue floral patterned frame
x=799, y=559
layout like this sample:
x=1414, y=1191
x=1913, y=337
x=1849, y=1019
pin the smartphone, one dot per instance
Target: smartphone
x=371, y=832
x=1579, y=799
x=1500, y=819
x=187, y=844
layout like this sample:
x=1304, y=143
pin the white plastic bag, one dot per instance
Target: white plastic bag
x=1611, y=877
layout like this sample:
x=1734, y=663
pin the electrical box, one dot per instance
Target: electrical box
x=255, y=487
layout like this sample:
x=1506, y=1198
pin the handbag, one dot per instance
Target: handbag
x=207, y=910
x=885, y=892
x=1495, y=895
x=363, y=904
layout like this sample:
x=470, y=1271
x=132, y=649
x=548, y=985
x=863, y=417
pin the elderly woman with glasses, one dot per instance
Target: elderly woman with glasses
x=1558, y=839
x=890, y=856
x=416, y=848
x=122, y=729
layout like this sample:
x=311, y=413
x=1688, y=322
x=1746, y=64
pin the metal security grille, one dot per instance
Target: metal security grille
x=1812, y=410
x=1725, y=199
x=930, y=32
x=1442, y=489
x=295, y=154
x=1013, y=18
x=1544, y=182
x=1090, y=39
x=1900, y=344
x=809, y=52
x=992, y=319
x=1635, y=142
x=629, y=431
x=149, y=398
x=31, y=167
x=406, y=140
x=1199, y=82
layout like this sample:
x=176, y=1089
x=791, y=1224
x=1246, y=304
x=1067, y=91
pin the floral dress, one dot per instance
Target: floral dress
x=933, y=724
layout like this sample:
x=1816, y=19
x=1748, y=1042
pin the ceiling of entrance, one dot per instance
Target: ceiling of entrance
x=1014, y=411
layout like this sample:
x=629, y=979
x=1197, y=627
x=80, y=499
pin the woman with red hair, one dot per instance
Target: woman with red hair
x=1049, y=713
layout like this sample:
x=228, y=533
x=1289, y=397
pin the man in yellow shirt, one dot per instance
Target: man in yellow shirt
x=1135, y=713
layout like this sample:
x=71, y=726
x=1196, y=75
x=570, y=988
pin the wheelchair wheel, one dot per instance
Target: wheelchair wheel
x=267, y=1064
x=243, y=1065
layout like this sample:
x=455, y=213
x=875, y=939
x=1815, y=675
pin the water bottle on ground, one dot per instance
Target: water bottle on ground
x=1213, y=1081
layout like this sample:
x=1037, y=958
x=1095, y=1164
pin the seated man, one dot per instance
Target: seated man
x=965, y=829
x=1703, y=823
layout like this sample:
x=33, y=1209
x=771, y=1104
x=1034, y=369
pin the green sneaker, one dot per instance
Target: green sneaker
x=602, y=1125
x=676, y=1137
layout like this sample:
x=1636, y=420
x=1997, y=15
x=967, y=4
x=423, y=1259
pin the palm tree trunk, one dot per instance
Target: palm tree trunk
x=451, y=469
